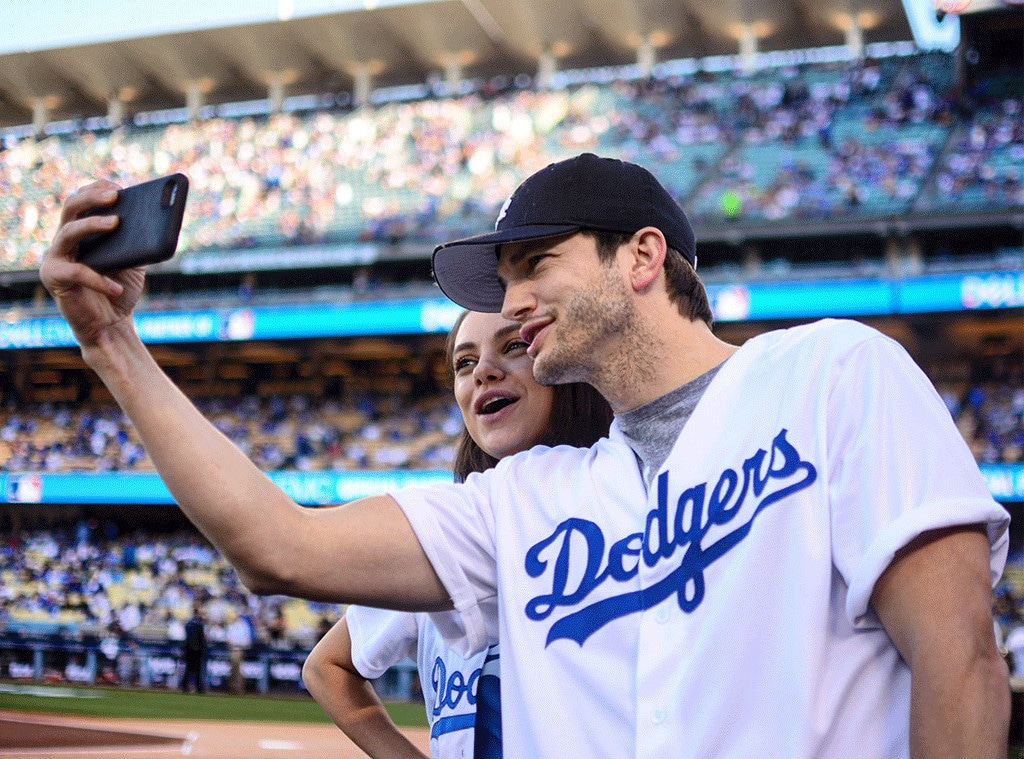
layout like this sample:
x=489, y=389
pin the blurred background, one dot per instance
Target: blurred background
x=846, y=158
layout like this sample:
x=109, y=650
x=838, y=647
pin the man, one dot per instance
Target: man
x=782, y=550
x=194, y=651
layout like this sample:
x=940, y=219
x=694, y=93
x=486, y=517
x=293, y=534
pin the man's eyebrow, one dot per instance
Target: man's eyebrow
x=524, y=249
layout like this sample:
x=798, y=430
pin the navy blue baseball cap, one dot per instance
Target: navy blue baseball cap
x=585, y=192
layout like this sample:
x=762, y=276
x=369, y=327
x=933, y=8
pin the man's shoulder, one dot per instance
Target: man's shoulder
x=844, y=330
x=543, y=457
x=824, y=337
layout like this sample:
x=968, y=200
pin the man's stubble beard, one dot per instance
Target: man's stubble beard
x=600, y=339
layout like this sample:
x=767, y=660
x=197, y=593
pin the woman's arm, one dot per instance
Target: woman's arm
x=349, y=699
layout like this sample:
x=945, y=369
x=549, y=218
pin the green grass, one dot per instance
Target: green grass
x=155, y=704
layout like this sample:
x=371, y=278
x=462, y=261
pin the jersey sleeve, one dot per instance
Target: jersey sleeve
x=898, y=467
x=380, y=638
x=455, y=526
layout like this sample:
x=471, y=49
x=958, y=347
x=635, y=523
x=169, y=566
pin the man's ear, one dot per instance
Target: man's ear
x=647, y=248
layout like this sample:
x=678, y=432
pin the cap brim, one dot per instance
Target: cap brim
x=467, y=270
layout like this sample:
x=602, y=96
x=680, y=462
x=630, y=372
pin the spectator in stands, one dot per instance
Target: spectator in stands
x=489, y=367
x=277, y=629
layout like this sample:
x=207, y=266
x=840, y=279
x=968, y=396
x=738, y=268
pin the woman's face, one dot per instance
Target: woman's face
x=504, y=408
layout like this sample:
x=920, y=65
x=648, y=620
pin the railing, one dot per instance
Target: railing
x=132, y=663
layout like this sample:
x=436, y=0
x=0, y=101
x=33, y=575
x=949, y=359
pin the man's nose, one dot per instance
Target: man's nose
x=519, y=301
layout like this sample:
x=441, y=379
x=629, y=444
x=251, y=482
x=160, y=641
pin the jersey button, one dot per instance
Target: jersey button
x=662, y=615
x=658, y=716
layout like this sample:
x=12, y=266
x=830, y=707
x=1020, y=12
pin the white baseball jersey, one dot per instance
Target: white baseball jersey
x=382, y=638
x=724, y=612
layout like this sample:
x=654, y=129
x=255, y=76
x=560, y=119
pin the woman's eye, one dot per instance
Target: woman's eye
x=463, y=363
x=516, y=345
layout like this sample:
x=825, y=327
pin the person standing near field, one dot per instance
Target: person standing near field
x=194, y=653
x=239, y=639
x=505, y=411
x=811, y=479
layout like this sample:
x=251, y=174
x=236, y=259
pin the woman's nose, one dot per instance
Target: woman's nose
x=487, y=370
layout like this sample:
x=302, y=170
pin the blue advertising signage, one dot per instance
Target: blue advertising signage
x=409, y=317
x=961, y=292
x=730, y=302
x=801, y=300
x=1005, y=481
x=307, y=488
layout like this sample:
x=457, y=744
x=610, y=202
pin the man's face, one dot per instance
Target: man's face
x=573, y=307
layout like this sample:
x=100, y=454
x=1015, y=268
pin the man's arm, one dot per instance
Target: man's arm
x=364, y=552
x=934, y=601
x=333, y=680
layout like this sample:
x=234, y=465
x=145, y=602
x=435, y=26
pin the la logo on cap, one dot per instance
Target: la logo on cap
x=503, y=211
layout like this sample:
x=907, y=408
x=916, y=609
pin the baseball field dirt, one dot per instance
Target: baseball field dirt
x=27, y=734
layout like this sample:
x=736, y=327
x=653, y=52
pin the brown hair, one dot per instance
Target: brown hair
x=684, y=286
x=580, y=416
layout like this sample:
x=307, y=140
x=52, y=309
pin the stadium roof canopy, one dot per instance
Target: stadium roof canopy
x=73, y=63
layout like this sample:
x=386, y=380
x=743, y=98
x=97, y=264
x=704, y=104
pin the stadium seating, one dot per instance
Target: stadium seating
x=982, y=167
x=824, y=140
x=373, y=432
x=83, y=579
x=91, y=581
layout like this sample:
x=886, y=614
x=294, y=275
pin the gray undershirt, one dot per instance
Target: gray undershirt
x=652, y=429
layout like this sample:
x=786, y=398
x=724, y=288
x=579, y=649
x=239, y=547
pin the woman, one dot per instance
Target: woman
x=505, y=411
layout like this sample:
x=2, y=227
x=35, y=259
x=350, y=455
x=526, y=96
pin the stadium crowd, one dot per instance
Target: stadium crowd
x=983, y=165
x=991, y=419
x=372, y=432
x=813, y=140
x=375, y=432
x=90, y=579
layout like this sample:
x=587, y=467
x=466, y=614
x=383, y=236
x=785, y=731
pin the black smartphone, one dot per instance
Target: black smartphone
x=150, y=215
